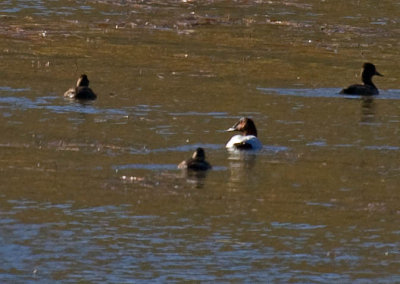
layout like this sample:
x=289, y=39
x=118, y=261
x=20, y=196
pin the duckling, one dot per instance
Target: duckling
x=368, y=89
x=82, y=90
x=197, y=162
x=248, y=139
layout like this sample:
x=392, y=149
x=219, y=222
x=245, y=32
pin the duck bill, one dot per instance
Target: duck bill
x=233, y=128
x=378, y=74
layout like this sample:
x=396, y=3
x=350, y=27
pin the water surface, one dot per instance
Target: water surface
x=91, y=192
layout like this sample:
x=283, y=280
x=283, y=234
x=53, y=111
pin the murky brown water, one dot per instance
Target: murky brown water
x=90, y=192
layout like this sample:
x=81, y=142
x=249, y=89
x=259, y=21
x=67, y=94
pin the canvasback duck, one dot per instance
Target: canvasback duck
x=368, y=88
x=197, y=162
x=248, y=139
x=82, y=90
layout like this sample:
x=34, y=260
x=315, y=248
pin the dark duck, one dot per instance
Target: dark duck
x=197, y=162
x=368, y=88
x=81, y=91
x=247, y=140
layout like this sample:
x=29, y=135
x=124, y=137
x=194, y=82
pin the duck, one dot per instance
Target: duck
x=82, y=90
x=247, y=140
x=368, y=88
x=197, y=162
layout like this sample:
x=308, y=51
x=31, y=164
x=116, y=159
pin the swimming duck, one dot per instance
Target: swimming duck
x=248, y=139
x=82, y=90
x=368, y=89
x=197, y=162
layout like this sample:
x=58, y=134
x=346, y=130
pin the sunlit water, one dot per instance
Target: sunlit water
x=91, y=191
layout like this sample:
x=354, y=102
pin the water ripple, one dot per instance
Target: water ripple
x=296, y=226
x=47, y=103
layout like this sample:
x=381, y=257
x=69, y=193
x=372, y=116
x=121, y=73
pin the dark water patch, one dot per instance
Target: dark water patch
x=317, y=143
x=320, y=204
x=321, y=92
x=291, y=226
x=343, y=145
x=392, y=94
x=383, y=147
x=371, y=123
x=40, y=8
x=19, y=103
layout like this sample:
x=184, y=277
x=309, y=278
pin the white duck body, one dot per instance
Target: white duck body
x=252, y=140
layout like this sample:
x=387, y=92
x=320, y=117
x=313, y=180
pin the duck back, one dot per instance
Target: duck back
x=367, y=88
x=85, y=93
x=358, y=89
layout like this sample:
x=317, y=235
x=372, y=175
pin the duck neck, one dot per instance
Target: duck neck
x=367, y=80
x=250, y=132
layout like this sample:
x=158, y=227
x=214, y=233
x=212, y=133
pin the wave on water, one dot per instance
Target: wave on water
x=9, y=89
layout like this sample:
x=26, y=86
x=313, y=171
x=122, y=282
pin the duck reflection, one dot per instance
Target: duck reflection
x=241, y=165
x=197, y=178
x=368, y=110
x=196, y=168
